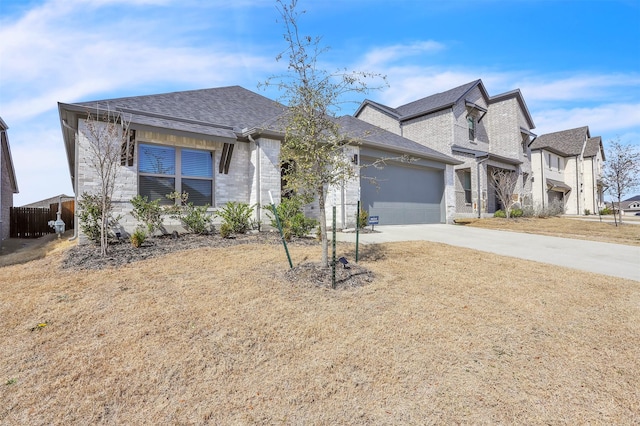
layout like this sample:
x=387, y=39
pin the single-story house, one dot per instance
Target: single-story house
x=8, y=181
x=223, y=144
x=629, y=207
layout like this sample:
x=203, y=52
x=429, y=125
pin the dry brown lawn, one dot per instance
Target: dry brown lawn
x=218, y=336
x=594, y=230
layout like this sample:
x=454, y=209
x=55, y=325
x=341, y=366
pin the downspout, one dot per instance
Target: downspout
x=579, y=190
x=75, y=180
x=594, y=184
x=478, y=162
x=258, y=189
x=542, y=184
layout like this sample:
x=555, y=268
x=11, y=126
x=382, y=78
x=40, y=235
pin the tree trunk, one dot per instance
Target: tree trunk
x=103, y=231
x=323, y=226
x=619, y=209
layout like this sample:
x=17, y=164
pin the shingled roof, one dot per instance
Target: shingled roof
x=443, y=100
x=593, y=146
x=565, y=142
x=6, y=155
x=438, y=101
x=376, y=137
x=231, y=107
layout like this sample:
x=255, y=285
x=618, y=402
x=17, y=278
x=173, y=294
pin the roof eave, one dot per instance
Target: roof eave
x=443, y=158
x=422, y=113
x=9, y=161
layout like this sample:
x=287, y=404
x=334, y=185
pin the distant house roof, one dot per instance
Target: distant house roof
x=374, y=136
x=565, y=142
x=444, y=100
x=6, y=155
x=48, y=201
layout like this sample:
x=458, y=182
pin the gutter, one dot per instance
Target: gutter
x=579, y=190
x=74, y=181
x=542, y=182
x=258, y=187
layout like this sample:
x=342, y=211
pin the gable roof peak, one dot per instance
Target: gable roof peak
x=438, y=101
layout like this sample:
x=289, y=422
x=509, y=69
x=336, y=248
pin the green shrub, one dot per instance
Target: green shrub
x=195, y=219
x=147, y=212
x=606, y=210
x=237, y=216
x=587, y=212
x=90, y=217
x=517, y=213
x=500, y=213
x=363, y=219
x=294, y=222
x=137, y=238
x=225, y=230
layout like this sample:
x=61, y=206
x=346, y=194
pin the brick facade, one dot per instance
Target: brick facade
x=499, y=124
x=240, y=184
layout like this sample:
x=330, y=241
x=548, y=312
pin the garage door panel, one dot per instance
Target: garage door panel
x=403, y=194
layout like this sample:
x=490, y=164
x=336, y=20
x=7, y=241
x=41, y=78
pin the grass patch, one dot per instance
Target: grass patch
x=592, y=230
x=221, y=336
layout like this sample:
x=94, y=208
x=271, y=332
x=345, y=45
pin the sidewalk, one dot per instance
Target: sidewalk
x=602, y=258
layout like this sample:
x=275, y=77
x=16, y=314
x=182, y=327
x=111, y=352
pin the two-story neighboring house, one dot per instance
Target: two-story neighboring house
x=8, y=182
x=483, y=132
x=567, y=170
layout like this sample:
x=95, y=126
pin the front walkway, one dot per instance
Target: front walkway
x=602, y=258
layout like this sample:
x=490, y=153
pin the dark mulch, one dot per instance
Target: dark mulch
x=88, y=256
x=316, y=274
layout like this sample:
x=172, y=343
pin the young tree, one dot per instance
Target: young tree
x=313, y=144
x=505, y=183
x=106, y=132
x=621, y=172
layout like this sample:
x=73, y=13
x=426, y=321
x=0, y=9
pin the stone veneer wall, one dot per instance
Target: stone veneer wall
x=263, y=175
x=380, y=119
x=234, y=186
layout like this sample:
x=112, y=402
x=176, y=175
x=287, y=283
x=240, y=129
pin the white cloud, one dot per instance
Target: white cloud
x=606, y=118
x=382, y=55
x=587, y=87
x=51, y=56
x=41, y=166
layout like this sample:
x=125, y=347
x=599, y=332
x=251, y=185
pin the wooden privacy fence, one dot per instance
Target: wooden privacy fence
x=33, y=222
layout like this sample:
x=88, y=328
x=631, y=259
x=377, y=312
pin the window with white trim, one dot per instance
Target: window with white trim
x=165, y=169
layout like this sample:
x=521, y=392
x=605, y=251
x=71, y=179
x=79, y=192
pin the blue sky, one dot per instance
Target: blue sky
x=577, y=62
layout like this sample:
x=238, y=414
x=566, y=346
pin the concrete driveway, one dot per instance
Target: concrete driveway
x=602, y=258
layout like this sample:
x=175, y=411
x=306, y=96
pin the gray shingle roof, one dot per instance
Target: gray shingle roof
x=437, y=101
x=374, y=136
x=567, y=142
x=198, y=110
x=5, y=155
x=593, y=146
